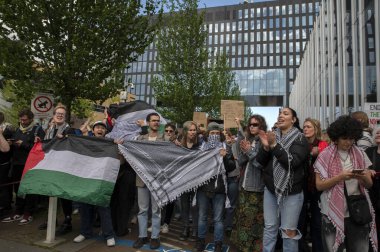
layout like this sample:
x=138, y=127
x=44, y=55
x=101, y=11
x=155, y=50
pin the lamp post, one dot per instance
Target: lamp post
x=125, y=95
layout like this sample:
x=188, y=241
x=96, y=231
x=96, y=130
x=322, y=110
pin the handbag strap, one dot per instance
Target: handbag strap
x=345, y=190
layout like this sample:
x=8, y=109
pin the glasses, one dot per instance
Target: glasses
x=59, y=114
x=254, y=125
x=169, y=131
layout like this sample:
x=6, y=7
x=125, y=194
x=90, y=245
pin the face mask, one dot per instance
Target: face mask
x=213, y=140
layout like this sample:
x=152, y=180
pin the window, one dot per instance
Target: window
x=270, y=11
x=277, y=10
x=221, y=27
x=216, y=39
x=290, y=9
x=227, y=27
x=303, y=8
x=240, y=14
x=210, y=39
x=246, y=37
x=240, y=26
x=310, y=7
x=216, y=27
x=258, y=12
x=233, y=26
x=258, y=49
x=270, y=23
x=283, y=22
x=233, y=38
x=210, y=28
x=252, y=24
x=245, y=50
x=296, y=9
x=246, y=13
x=240, y=37
x=283, y=9
x=252, y=37
x=252, y=13
x=264, y=11
x=290, y=20
x=245, y=25
x=277, y=23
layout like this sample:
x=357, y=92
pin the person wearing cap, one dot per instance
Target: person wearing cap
x=214, y=190
x=87, y=211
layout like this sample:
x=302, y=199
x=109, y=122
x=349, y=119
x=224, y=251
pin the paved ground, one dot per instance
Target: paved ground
x=24, y=238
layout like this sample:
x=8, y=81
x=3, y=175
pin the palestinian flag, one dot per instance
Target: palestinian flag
x=78, y=168
x=127, y=114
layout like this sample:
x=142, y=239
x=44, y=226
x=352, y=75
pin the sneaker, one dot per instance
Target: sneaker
x=154, y=243
x=150, y=229
x=64, y=229
x=218, y=246
x=200, y=245
x=111, y=242
x=79, y=238
x=165, y=228
x=25, y=220
x=140, y=242
x=13, y=218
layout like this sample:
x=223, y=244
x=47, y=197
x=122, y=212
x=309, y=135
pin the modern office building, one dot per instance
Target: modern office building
x=340, y=67
x=264, y=40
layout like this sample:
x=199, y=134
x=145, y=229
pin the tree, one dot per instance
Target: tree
x=75, y=49
x=188, y=81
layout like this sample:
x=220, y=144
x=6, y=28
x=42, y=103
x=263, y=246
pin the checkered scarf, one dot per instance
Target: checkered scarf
x=283, y=178
x=168, y=170
x=328, y=165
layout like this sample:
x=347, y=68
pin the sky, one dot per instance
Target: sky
x=213, y=3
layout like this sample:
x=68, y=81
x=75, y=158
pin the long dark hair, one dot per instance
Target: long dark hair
x=294, y=114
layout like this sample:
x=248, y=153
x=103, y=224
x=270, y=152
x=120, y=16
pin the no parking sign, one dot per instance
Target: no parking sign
x=42, y=105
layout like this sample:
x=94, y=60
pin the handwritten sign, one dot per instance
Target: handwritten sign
x=373, y=112
x=229, y=110
x=201, y=118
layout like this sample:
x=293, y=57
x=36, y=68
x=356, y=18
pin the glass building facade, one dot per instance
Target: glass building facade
x=341, y=64
x=264, y=42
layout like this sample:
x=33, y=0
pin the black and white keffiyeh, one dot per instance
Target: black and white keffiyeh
x=283, y=178
x=168, y=170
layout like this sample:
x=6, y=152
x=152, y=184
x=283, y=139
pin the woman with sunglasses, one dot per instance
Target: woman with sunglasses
x=283, y=156
x=248, y=236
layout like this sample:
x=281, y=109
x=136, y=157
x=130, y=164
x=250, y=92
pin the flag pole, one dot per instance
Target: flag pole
x=52, y=216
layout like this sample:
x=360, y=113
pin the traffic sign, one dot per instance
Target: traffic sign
x=42, y=105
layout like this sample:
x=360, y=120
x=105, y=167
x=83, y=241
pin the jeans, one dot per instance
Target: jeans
x=186, y=207
x=143, y=199
x=233, y=195
x=217, y=201
x=357, y=236
x=87, y=217
x=286, y=213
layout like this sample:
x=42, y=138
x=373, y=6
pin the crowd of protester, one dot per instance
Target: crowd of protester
x=288, y=187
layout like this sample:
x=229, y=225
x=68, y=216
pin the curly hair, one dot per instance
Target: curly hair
x=345, y=127
x=260, y=119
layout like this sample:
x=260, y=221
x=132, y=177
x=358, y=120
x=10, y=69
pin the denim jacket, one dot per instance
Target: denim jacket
x=252, y=178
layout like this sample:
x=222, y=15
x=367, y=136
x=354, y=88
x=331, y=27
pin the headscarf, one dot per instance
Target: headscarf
x=283, y=178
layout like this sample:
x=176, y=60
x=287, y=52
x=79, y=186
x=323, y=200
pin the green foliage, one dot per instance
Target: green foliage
x=188, y=81
x=75, y=49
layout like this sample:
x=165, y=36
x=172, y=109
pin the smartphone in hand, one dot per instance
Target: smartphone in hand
x=358, y=171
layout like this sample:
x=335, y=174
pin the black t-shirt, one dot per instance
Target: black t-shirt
x=374, y=191
x=5, y=157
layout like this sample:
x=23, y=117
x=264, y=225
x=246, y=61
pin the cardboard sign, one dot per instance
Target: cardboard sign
x=229, y=110
x=373, y=112
x=201, y=118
